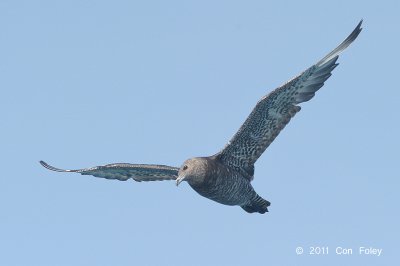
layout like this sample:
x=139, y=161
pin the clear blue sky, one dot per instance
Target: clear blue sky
x=87, y=83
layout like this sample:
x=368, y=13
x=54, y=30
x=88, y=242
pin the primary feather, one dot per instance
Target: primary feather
x=125, y=171
x=274, y=111
x=225, y=177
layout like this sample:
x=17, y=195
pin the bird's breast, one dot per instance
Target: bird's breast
x=228, y=189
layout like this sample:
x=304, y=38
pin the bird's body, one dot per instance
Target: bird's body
x=223, y=184
x=226, y=176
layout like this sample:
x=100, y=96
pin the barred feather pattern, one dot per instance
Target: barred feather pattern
x=225, y=177
x=221, y=183
x=274, y=111
x=125, y=171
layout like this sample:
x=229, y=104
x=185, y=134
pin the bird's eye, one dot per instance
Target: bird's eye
x=185, y=167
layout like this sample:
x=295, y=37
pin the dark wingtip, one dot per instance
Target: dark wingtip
x=359, y=26
x=341, y=47
x=356, y=31
x=52, y=168
x=44, y=164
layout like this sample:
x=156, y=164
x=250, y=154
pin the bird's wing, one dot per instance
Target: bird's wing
x=274, y=111
x=124, y=171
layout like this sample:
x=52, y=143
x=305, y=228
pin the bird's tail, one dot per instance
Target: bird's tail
x=258, y=204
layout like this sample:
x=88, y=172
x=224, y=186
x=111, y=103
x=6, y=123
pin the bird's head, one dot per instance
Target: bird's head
x=193, y=171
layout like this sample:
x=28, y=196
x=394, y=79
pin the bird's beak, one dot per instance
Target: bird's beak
x=180, y=179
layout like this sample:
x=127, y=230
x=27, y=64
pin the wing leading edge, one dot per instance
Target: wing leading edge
x=125, y=171
x=274, y=111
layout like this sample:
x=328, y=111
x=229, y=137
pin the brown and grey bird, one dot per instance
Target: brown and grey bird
x=226, y=176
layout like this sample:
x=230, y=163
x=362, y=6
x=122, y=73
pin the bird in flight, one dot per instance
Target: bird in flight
x=226, y=176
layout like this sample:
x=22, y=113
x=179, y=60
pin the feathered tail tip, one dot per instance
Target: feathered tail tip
x=259, y=205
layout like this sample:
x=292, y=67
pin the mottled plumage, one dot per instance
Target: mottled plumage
x=124, y=171
x=225, y=177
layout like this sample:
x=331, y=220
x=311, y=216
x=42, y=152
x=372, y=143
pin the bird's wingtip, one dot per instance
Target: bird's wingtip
x=52, y=168
x=341, y=47
x=43, y=163
x=359, y=28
